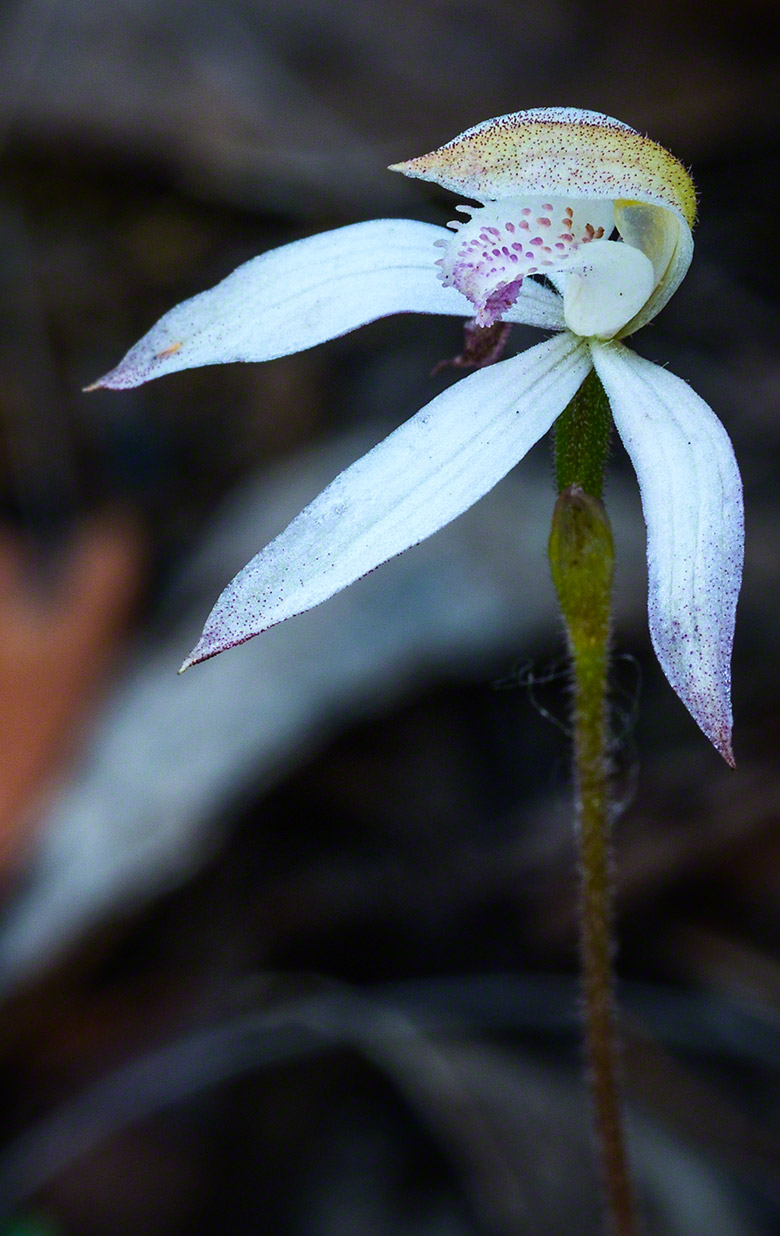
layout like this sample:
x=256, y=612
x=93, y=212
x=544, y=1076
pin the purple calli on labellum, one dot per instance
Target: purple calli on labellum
x=605, y=215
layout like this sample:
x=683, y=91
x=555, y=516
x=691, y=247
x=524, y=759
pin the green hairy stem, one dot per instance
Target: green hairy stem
x=582, y=434
x=581, y=558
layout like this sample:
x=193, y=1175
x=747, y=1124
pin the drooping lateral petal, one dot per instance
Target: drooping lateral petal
x=307, y=292
x=422, y=476
x=692, y=503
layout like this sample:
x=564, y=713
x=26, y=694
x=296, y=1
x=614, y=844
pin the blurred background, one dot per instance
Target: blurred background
x=288, y=944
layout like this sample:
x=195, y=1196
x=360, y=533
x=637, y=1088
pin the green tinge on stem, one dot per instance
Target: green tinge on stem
x=582, y=434
x=582, y=557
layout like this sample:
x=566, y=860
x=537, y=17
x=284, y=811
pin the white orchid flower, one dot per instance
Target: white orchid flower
x=606, y=214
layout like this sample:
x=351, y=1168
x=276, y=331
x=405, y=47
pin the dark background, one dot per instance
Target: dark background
x=288, y=945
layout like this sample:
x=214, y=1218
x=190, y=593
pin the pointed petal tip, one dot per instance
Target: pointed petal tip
x=422, y=167
x=118, y=379
x=710, y=707
x=708, y=704
x=722, y=744
x=217, y=638
x=199, y=653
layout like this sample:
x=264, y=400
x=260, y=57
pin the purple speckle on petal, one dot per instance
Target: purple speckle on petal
x=498, y=302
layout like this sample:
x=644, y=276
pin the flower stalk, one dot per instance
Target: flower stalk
x=581, y=558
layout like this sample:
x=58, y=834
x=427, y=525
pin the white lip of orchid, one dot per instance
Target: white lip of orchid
x=606, y=282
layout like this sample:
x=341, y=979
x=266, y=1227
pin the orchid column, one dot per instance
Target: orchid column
x=583, y=229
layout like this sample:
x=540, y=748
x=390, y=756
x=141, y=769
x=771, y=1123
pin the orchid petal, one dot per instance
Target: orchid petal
x=536, y=305
x=692, y=503
x=422, y=476
x=307, y=292
x=558, y=150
